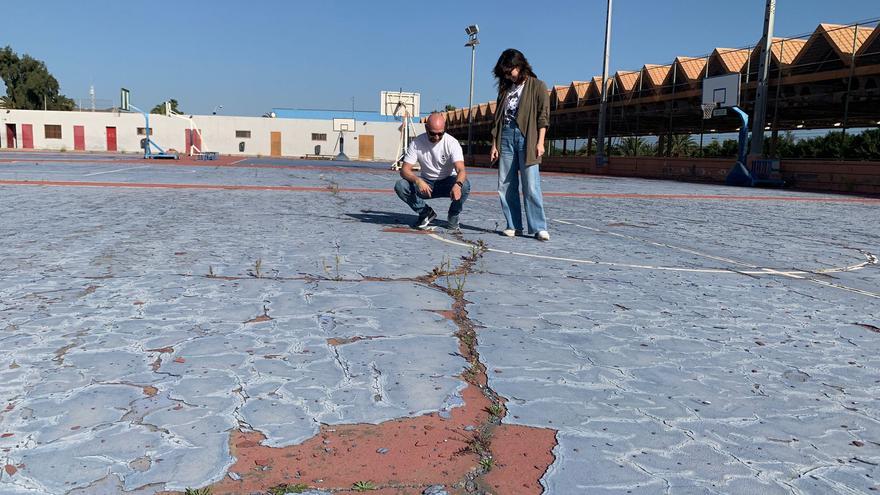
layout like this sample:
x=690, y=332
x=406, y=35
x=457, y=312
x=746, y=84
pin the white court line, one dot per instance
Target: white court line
x=795, y=274
x=114, y=171
x=871, y=259
x=238, y=161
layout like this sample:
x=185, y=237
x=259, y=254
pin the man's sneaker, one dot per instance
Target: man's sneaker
x=425, y=218
x=452, y=222
x=543, y=235
x=511, y=232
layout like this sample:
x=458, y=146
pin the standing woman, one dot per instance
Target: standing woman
x=521, y=121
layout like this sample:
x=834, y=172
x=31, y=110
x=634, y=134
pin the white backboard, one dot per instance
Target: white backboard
x=397, y=103
x=343, y=125
x=723, y=90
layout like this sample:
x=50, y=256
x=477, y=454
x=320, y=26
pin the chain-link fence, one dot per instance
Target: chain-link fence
x=823, y=101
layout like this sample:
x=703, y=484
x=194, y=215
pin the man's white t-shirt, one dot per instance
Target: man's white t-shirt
x=437, y=160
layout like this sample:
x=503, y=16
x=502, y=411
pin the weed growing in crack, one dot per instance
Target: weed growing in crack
x=285, y=488
x=455, y=279
x=487, y=463
x=197, y=491
x=211, y=272
x=332, y=271
x=257, y=270
x=495, y=410
x=363, y=486
x=478, y=444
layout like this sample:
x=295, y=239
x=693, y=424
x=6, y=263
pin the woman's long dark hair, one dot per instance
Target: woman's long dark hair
x=510, y=59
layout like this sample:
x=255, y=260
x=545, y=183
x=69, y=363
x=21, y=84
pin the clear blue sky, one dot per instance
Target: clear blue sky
x=253, y=56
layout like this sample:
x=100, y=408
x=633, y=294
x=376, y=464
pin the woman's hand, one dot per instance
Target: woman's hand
x=540, y=149
x=493, y=155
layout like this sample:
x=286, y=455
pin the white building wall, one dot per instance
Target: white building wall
x=218, y=133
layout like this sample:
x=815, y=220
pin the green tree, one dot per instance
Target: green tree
x=635, y=146
x=681, y=145
x=29, y=85
x=160, y=108
x=865, y=146
x=450, y=108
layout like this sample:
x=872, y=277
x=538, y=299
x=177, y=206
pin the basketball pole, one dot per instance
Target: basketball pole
x=760, y=113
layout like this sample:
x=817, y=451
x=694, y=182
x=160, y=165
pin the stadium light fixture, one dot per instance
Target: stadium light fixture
x=472, y=30
x=837, y=124
x=799, y=126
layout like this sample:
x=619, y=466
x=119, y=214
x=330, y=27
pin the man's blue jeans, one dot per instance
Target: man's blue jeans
x=409, y=193
x=512, y=170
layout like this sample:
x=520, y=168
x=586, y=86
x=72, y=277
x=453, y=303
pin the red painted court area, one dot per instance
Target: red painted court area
x=362, y=190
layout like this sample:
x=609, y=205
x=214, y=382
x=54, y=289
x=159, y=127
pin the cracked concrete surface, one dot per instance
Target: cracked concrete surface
x=676, y=346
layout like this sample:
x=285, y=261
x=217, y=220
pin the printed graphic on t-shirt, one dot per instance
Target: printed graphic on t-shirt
x=513, y=96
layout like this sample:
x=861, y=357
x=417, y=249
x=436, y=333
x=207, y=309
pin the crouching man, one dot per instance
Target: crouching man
x=442, y=174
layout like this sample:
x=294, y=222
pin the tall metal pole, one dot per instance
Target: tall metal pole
x=473, y=44
x=760, y=114
x=600, y=143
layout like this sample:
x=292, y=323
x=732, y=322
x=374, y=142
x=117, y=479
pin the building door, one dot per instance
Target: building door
x=111, y=139
x=197, y=139
x=365, y=147
x=27, y=136
x=79, y=138
x=11, y=137
x=276, y=144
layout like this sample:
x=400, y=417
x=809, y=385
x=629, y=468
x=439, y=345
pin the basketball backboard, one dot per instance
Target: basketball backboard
x=722, y=90
x=398, y=103
x=343, y=125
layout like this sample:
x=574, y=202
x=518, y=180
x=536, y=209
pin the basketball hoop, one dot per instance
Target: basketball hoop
x=709, y=109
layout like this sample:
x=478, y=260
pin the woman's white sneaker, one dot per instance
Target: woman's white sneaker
x=543, y=235
x=508, y=232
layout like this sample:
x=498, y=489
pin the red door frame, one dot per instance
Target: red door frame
x=79, y=138
x=11, y=136
x=188, y=137
x=111, y=138
x=27, y=136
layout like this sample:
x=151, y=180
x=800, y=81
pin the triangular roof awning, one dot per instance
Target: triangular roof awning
x=727, y=60
x=491, y=108
x=690, y=69
x=655, y=76
x=783, y=51
x=832, y=42
x=871, y=46
x=594, y=90
x=558, y=94
x=626, y=80
x=576, y=92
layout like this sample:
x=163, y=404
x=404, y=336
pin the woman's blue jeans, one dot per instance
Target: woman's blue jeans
x=512, y=171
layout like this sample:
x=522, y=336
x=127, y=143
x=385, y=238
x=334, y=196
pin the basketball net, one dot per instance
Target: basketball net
x=708, y=108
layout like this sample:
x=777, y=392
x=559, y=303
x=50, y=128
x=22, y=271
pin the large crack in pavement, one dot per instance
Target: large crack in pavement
x=466, y=449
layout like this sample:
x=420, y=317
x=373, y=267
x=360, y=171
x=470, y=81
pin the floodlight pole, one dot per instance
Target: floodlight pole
x=760, y=113
x=472, y=42
x=603, y=108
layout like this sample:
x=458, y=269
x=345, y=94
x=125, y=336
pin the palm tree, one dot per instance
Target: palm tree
x=6, y=102
x=634, y=146
x=681, y=145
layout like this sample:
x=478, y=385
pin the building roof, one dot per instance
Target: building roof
x=691, y=68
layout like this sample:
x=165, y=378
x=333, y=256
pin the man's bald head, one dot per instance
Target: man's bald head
x=436, y=126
